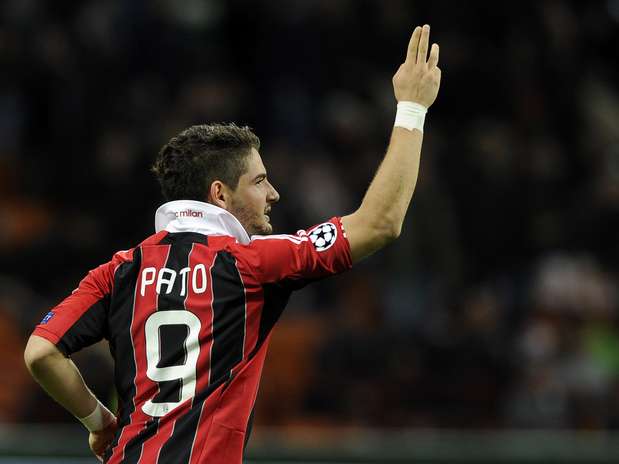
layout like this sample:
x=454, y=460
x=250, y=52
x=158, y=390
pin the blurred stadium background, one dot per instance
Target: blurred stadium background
x=488, y=333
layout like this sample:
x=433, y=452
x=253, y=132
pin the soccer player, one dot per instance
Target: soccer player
x=189, y=311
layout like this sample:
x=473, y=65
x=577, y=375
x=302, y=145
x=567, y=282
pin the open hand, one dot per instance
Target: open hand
x=419, y=77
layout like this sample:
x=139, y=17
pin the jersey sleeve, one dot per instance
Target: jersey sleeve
x=310, y=254
x=80, y=319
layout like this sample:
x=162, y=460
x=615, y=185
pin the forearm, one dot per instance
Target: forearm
x=60, y=378
x=379, y=219
x=388, y=197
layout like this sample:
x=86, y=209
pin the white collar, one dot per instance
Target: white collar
x=197, y=216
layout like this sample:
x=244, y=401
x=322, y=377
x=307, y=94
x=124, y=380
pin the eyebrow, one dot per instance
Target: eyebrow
x=262, y=174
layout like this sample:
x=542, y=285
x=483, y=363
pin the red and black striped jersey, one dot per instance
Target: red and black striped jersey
x=188, y=315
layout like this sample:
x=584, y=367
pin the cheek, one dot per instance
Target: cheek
x=253, y=199
x=258, y=198
x=251, y=204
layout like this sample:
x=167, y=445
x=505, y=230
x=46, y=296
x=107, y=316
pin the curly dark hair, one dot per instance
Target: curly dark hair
x=189, y=163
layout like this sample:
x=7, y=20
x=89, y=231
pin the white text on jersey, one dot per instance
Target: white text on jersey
x=167, y=277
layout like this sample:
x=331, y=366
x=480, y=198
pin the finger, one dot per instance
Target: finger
x=422, y=51
x=433, y=60
x=411, y=54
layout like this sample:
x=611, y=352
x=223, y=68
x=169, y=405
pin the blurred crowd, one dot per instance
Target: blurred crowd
x=497, y=307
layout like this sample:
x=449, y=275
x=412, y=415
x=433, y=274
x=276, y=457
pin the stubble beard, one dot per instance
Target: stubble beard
x=253, y=223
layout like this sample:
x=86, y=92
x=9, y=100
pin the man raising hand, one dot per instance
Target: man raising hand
x=188, y=312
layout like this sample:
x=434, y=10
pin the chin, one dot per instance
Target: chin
x=266, y=229
x=263, y=229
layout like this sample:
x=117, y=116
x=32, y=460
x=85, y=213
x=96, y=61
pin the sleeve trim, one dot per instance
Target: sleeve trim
x=46, y=334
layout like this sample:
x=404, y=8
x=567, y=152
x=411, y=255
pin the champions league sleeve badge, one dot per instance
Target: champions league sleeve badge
x=323, y=236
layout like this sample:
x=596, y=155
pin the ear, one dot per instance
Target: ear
x=218, y=195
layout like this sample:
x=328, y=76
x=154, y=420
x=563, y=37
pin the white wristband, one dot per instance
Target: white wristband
x=97, y=420
x=410, y=115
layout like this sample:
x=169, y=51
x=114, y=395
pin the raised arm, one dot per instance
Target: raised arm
x=379, y=219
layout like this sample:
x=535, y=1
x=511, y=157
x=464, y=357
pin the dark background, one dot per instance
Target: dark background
x=496, y=308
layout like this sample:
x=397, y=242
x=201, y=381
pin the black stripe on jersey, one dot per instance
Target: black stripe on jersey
x=90, y=328
x=133, y=449
x=275, y=297
x=172, y=338
x=228, y=316
x=184, y=237
x=121, y=346
x=178, y=448
x=178, y=258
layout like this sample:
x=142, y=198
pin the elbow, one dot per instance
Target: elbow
x=394, y=232
x=32, y=355
x=387, y=234
x=391, y=231
x=37, y=352
x=385, y=228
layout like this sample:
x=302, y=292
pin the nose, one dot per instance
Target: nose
x=273, y=195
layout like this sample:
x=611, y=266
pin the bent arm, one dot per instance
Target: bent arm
x=59, y=377
x=379, y=219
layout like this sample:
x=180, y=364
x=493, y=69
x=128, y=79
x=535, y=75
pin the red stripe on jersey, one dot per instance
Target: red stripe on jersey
x=204, y=424
x=222, y=431
x=143, y=307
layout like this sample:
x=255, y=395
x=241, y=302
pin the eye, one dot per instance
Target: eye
x=260, y=180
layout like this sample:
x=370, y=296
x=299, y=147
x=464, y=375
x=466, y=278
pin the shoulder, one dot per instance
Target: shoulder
x=128, y=256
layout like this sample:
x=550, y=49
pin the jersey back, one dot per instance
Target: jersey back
x=188, y=318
